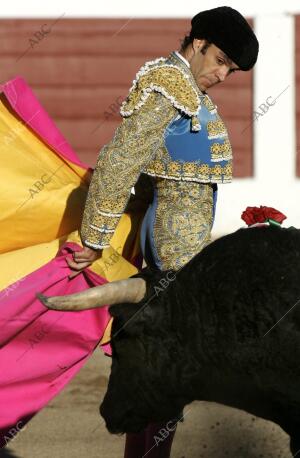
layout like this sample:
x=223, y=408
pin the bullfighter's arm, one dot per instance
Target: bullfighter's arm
x=158, y=93
x=119, y=166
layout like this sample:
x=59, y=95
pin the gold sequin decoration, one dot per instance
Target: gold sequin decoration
x=189, y=171
x=207, y=102
x=183, y=221
x=171, y=81
x=221, y=151
x=216, y=129
x=119, y=165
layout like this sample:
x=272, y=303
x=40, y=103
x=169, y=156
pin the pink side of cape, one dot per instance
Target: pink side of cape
x=41, y=349
x=26, y=105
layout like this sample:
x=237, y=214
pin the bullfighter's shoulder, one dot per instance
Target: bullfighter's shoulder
x=169, y=80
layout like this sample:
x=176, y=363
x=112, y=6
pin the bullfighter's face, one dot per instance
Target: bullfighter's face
x=208, y=63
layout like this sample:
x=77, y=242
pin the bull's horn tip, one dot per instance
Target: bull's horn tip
x=42, y=298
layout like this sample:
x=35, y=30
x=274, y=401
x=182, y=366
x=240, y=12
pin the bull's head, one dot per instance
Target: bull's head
x=145, y=339
x=144, y=385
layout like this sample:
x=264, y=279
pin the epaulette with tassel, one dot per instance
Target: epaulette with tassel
x=169, y=80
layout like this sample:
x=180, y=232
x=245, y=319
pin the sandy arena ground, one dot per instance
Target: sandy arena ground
x=71, y=427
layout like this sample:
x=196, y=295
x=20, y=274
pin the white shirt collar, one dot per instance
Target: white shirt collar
x=182, y=58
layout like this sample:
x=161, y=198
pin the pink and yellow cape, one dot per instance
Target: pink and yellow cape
x=43, y=190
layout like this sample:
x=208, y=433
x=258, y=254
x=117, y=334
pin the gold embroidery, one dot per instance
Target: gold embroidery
x=189, y=171
x=118, y=167
x=138, y=146
x=221, y=151
x=168, y=79
x=157, y=167
x=216, y=129
x=174, y=59
x=207, y=102
x=173, y=168
x=183, y=221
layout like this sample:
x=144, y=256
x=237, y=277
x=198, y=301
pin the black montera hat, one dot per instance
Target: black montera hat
x=229, y=31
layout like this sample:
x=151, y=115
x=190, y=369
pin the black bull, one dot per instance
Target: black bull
x=224, y=328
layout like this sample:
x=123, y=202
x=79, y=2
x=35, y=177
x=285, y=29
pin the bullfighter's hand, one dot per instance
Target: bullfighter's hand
x=82, y=259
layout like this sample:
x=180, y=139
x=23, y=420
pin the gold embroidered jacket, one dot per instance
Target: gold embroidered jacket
x=170, y=130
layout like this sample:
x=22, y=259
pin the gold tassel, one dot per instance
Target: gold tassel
x=195, y=124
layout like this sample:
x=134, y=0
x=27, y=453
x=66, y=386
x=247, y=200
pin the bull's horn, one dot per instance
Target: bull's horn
x=116, y=292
